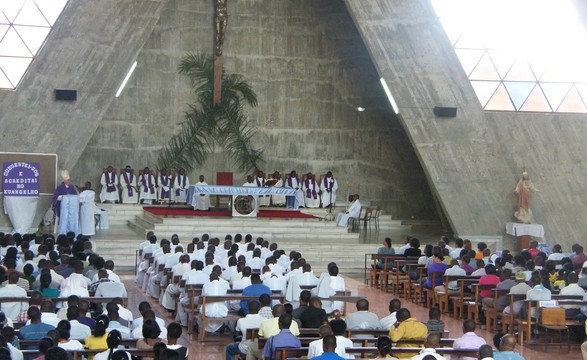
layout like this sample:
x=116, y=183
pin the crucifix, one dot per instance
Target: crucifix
x=220, y=20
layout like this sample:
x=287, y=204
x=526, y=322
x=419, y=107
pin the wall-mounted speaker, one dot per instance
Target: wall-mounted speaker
x=442, y=111
x=65, y=95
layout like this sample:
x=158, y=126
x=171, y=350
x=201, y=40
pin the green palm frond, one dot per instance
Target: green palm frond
x=204, y=126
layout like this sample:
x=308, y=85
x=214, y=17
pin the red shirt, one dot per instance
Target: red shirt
x=488, y=280
x=533, y=251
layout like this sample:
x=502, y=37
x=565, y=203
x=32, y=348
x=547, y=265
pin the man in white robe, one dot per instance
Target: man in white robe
x=311, y=189
x=294, y=182
x=128, y=183
x=328, y=187
x=164, y=183
x=278, y=200
x=202, y=201
x=109, y=182
x=146, y=184
x=180, y=187
x=87, y=210
x=260, y=181
x=173, y=290
x=250, y=181
x=353, y=211
x=328, y=286
x=217, y=309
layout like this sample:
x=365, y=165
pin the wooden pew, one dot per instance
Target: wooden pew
x=81, y=354
x=370, y=352
x=444, y=298
x=61, y=299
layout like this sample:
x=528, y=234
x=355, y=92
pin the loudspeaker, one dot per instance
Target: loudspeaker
x=442, y=111
x=65, y=95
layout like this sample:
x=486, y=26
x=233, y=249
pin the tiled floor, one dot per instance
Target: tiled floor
x=213, y=346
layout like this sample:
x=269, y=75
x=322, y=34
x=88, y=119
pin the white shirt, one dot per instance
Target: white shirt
x=193, y=277
x=104, y=355
x=111, y=275
x=78, y=330
x=388, y=321
x=15, y=354
x=425, y=352
x=251, y=321
x=111, y=289
x=137, y=333
x=12, y=309
x=71, y=345
x=315, y=348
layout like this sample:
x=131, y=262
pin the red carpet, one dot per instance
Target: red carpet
x=163, y=211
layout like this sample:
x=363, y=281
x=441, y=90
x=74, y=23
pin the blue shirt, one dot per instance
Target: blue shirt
x=507, y=355
x=328, y=356
x=34, y=332
x=253, y=290
x=285, y=339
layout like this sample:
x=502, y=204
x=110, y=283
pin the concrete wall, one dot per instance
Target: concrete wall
x=474, y=160
x=310, y=69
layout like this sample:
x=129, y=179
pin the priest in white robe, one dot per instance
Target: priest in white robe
x=250, y=181
x=353, y=211
x=164, y=183
x=87, y=210
x=148, y=194
x=311, y=189
x=202, y=201
x=294, y=182
x=128, y=183
x=328, y=187
x=278, y=200
x=180, y=187
x=109, y=182
x=217, y=309
x=264, y=200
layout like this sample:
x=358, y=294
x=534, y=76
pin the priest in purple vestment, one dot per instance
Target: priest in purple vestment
x=65, y=188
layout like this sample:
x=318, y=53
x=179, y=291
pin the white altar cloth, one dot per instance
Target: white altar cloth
x=517, y=229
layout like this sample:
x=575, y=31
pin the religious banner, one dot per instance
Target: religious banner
x=20, y=187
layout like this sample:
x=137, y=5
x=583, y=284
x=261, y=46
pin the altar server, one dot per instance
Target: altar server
x=87, y=210
x=260, y=180
x=109, y=182
x=353, y=211
x=202, y=201
x=128, y=182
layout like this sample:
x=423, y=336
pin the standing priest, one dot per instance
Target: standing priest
x=128, y=182
x=65, y=207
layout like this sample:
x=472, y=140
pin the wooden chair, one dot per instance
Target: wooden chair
x=554, y=319
x=445, y=297
x=510, y=320
x=355, y=223
x=493, y=313
x=366, y=216
x=474, y=305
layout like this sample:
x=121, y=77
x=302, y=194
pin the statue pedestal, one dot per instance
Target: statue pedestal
x=524, y=233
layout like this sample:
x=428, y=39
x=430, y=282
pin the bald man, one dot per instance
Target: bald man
x=507, y=346
x=363, y=318
x=430, y=344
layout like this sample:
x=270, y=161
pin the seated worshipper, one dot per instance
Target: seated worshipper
x=69, y=222
x=485, y=352
x=115, y=322
x=65, y=343
x=453, y=286
x=201, y=201
x=328, y=187
x=284, y=339
x=35, y=330
x=13, y=309
x=78, y=330
x=113, y=340
x=173, y=290
x=274, y=281
x=384, y=346
x=490, y=279
x=315, y=348
x=438, y=267
x=84, y=309
x=146, y=313
x=277, y=200
x=270, y=327
x=505, y=283
x=251, y=321
x=434, y=324
x=125, y=314
x=307, y=278
x=311, y=189
x=265, y=311
x=363, y=318
x=256, y=263
x=329, y=349
x=429, y=352
x=151, y=335
x=146, y=184
x=507, y=349
x=293, y=182
x=76, y=283
x=353, y=211
x=109, y=182
x=181, y=186
x=98, y=339
x=255, y=289
x=216, y=309
x=173, y=334
x=572, y=288
x=128, y=183
x=304, y=301
x=314, y=316
x=339, y=327
x=386, y=249
x=328, y=285
x=164, y=183
x=108, y=288
x=10, y=339
x=407, y=328
x=87, y=210
x=469, y=340
x=388, y=321
x=538, y=292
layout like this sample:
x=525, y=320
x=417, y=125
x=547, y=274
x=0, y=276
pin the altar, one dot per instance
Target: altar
x=523, y=232
x=245, y=199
